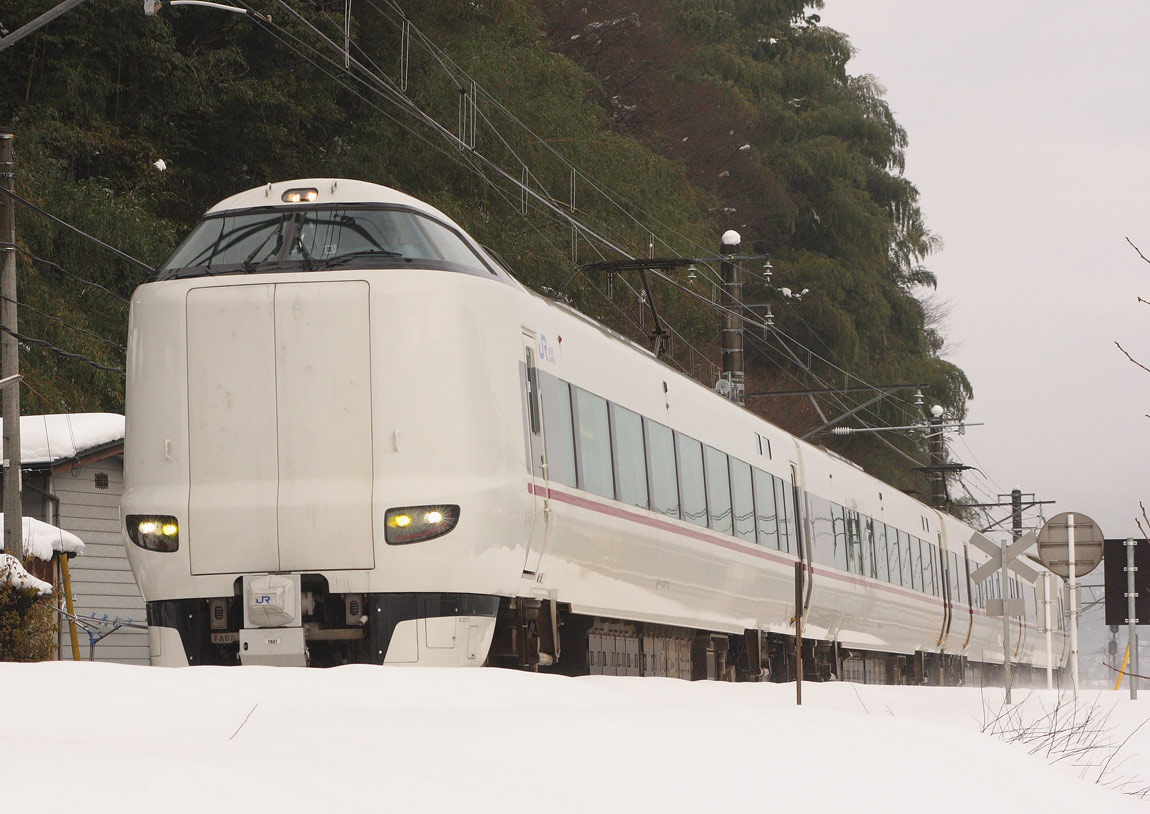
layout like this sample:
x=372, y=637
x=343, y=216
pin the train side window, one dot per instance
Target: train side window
x=661, y=469
x=894, y=555
x=930, y=583
x=766, y=515
x=629, y=455
x=882, y=568
x=839, y=527
x=854, y=543
x=869, y=564
x=916, y=563
x=718, y=490
x=692, y=486
x=909, y=571
x=924, y=565
x=593, y=444
x=822, y=527
x=785, y=503
x=957, y=589
x=743, y=500
x=692, y=493
x=558, y=430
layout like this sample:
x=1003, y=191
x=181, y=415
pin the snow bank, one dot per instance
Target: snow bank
x=42, y=539
x=45, y=439
x=492, y=741
x=13, y=573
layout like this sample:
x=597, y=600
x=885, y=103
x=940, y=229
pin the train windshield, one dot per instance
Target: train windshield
x=320, y=238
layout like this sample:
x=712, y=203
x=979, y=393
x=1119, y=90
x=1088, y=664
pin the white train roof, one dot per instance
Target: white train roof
x=331, y=190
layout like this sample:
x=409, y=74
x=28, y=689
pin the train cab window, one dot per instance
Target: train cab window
x=838, y=519
x=448, y=245
x=766, y=516
x=692, y=485
x=630, y=456
x=718, y=490
x=320, y=237
x=785, y=502
x=661, y=470
x=742, y=498
x=593, y=444
x=558, y=430
x=230, y=240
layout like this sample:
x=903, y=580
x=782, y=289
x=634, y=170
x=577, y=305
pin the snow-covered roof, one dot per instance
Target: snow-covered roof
x=46, y=439
x=42, y=539
x=13, y=573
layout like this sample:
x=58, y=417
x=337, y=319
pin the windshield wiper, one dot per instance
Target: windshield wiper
x=248, y=265
x=308, y=260
x=343, y=258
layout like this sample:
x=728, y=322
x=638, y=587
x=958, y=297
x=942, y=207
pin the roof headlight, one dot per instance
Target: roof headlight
x=414, y=524
x=300, y=195
x=154, y=532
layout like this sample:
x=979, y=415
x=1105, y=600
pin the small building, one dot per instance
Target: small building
x=73, y=477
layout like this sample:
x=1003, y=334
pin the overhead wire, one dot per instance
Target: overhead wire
x=61, y=352
x=61, y=270
x=60, y=222
x=65, y=323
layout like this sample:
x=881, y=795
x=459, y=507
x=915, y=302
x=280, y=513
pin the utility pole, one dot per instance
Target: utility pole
x=732, y=303
x=10, y=355
x=1132, y=616
x=938, y=496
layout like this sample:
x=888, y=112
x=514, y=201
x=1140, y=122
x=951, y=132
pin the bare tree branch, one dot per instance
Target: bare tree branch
x=1132, y=359
x=1131, y=242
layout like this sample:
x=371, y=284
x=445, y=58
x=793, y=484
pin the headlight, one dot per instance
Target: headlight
x=155, y=532
x=301, y=195
x=414, y=524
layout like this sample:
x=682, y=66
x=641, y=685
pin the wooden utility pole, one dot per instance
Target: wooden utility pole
x=10, y=355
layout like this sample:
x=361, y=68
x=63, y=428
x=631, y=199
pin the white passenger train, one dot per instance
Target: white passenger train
x=353, y=437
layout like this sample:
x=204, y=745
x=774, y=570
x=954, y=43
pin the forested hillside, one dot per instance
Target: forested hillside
x=669, y=121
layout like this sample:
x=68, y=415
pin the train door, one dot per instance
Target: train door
x=946, y=582
x=279, y=424
x=802, y=539
x=536, y=453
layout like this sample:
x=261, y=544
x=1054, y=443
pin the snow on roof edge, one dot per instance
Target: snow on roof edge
x=48, y=439
x=42, y=539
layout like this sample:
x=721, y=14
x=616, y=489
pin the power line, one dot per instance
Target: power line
x=60, y=269
x=80, y=232
x=61, y=352
x=67, y=324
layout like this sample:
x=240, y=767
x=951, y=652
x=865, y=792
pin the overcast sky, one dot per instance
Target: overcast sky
x=1029, y=130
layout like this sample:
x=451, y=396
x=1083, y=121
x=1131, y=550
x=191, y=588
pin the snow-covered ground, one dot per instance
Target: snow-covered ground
x=111, y=738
